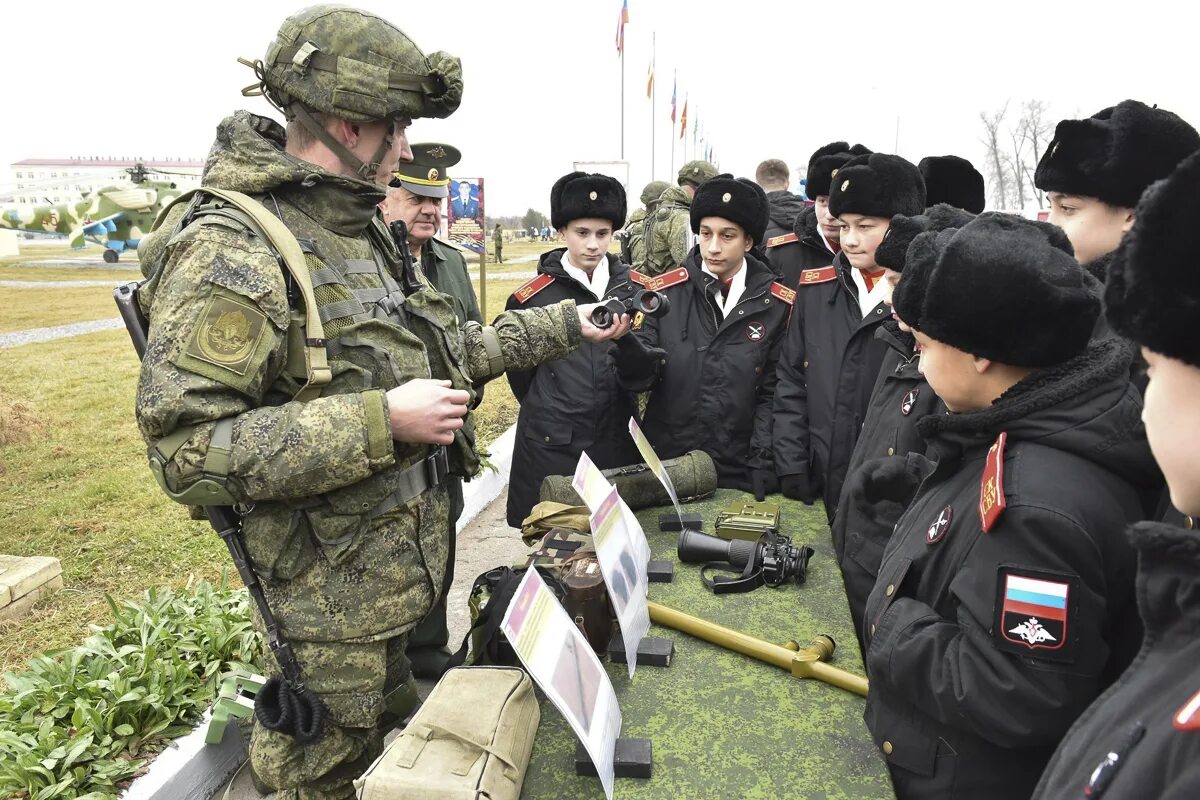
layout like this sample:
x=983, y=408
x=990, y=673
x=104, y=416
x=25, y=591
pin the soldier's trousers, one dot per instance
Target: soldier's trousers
x=432, y=632
x=368, y=688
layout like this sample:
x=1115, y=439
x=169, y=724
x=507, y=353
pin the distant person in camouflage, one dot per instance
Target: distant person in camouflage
x=415, y=197
x=633, y=244
x=671, y=227
x=342, y=497
x=498, y=240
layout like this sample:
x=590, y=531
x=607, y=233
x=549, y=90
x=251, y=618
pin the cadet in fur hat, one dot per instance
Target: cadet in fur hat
x=1002, y=605
x=1095, y=169
x=815, y=232
x=831, y=357
x=711, y=368
x=954, y=181
x=1141, y=739
x=575, y=403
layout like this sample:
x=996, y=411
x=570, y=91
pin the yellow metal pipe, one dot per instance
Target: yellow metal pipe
x=806, y=663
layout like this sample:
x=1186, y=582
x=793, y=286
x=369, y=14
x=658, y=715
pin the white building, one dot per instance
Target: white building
x=36, y=181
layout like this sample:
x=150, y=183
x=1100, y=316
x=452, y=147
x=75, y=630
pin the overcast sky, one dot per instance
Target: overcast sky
x=765, y=79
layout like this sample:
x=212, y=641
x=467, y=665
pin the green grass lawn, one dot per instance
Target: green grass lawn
x=73, y=478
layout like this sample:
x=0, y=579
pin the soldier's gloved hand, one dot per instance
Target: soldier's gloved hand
x=765, y=482
x=425, y=411
x=799, y=487
x=619, y=327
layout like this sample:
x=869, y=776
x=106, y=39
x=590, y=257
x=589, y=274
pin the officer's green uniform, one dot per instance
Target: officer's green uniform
x=345, y=527
x=670, y=228
x=426, y=175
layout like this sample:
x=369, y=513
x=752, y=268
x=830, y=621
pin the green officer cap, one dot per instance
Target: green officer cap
x=696, y=173
x=426, y=173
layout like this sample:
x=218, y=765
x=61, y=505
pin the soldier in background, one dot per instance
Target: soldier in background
x=342, y=496
x=774, y=177
x=415, y=197
x=671, y=234
x=633, y=243
x=498, y=243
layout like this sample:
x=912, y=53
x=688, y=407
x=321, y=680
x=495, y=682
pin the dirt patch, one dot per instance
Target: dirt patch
x=19, y=422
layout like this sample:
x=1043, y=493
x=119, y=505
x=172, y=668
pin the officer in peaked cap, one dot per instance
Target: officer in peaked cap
x=415, y=196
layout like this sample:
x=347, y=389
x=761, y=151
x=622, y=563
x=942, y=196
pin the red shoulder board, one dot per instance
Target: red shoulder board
x=823, y=275
x=786, y=238
x=991, y=486
x=783, y=293
x=660, y=282
x=1187, y=718
x=532, y=287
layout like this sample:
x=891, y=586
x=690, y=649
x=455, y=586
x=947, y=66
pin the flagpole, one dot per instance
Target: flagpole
x=622, y=103
x=653, y=97
x=674, y=95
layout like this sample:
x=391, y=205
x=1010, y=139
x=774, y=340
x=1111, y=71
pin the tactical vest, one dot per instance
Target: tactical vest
x=377, y=331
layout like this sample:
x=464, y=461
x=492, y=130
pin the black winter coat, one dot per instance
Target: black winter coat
x=795, y=247
x=984, y=647
x=572, y=404
x=1148, y=718
x=827, y=369
x=715, y=390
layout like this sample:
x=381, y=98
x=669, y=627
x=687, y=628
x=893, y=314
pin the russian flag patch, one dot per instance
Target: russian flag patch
x=1033, y=612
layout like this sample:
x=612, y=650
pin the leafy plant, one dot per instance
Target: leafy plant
x=79, y=723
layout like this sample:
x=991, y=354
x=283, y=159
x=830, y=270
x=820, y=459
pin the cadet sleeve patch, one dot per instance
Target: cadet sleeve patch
x=1033, y=613
x=783, y=293
x=230, y=342
x=532, y=287
x=991, y=486
x=786, y=238
x=664, y=281
x=814, y=276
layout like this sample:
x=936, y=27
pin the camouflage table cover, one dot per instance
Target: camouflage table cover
x=722, y=724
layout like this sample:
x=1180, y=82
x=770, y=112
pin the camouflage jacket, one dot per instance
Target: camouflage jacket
x=670, y=230
x=312, y=479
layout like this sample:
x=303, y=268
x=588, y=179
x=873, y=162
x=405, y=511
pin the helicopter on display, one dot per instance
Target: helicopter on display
x=115, y=217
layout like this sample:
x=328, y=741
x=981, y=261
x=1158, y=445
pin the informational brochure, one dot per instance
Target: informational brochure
x=560, y=661
x=624, y=574
x=593, y=487
x=655, y=464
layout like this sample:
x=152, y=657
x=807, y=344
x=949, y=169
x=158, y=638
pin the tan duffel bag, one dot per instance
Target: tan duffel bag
x=471, y=740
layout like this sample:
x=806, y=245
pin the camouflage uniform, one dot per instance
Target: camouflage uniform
x=670, y=227
x=351, y=557
x=636, y=230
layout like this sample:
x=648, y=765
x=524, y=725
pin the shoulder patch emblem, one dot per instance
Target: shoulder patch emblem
x=814, y=276
x=783, y=293
x=228, y=334
x=785, y=238
x=991, y=485
x=1033, y=612
x=532, y=287
x=638, y=319
x=755, y=331
x=938, y=529
x=660, y=282
x=910, y=400
x=1187, y=718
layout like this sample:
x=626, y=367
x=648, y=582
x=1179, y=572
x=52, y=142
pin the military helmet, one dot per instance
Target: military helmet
x=653, y=191
x=357, y=66
x=695, y=173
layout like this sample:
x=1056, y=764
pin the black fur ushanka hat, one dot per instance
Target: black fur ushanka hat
x=580, y=195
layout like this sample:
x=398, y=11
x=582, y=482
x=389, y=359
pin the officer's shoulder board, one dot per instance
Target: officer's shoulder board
x=783, y=293
x=811, y=277
x=532, y=287
x=991, y=486
x=657, y=283
x=785, y=238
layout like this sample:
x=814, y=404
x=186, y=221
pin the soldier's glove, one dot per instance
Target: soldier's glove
x=765, y=482
x=638, y=364
x=799, y=487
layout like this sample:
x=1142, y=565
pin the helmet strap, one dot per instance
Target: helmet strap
x=368, y=170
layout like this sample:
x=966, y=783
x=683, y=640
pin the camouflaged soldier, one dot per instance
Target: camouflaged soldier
x=633, y=247
x=342, y=495
x=670, y=227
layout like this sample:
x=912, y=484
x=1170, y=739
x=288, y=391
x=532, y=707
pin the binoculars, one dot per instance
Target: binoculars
x=647, y=301
x=772, y=560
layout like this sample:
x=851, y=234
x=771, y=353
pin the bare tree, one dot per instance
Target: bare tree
x=997, y=167
x=1037, y=131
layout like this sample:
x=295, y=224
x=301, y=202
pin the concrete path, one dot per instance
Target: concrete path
x=34, y=335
